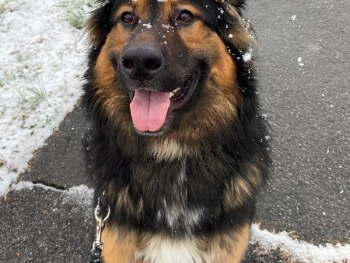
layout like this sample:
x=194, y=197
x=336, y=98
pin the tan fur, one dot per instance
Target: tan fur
x=129, y=247
x=103, y=70
x=122, y=9
x=254, y=176
x=125, y=201
x=93, y=33
x=141, y=8
x=236, y=192
x=229, y=247
x=119, y=245
x=240, y=188
x=168, y=149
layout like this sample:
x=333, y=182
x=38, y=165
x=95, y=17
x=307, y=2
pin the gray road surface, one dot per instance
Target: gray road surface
x=307, y=105
x=309, y=111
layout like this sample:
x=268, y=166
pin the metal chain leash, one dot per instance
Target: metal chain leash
x=97, y=247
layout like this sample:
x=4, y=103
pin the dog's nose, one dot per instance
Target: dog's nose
x=142, y=62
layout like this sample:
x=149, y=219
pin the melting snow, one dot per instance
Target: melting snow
x=299, y=251
x=147, y=25
x=247, y=57
x=299, y=60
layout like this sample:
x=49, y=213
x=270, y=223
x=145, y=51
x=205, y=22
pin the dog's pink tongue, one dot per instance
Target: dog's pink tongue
x=149, y=109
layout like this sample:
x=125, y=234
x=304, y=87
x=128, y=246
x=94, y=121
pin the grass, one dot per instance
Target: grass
x=10, y=76
x=76, y=11
x=76, y=18
x=2, y=82
x=2, y=162
x=19, y=74
x=48, y=119
x=4, y=28
x=22, y=57
x=3, y=109
x=77, y=4
x=32, y=96
x=9, y=5
x=90, y=3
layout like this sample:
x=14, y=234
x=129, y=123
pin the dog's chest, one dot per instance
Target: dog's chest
x=174, y=209
x=161, y=249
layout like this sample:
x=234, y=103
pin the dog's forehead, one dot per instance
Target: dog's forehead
x=154, y=8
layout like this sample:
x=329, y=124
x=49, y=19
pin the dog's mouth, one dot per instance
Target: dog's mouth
x=153, y=111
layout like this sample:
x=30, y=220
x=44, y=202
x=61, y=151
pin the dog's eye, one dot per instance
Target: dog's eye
x=185, y=16
x=127, y=17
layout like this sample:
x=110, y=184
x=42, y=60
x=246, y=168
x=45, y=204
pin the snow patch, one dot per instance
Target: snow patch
x=41, y=58
x=80, y=195
x=29, y=185
x=300, y=251
x=147, y=25
x=247, y=57
x=81, y=190
x=300, y=63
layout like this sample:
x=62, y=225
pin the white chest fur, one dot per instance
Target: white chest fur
x=161, y=249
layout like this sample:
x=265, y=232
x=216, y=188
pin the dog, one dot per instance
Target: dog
x=178, y=144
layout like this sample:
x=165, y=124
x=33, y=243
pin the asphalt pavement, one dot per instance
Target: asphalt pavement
x=303, y=64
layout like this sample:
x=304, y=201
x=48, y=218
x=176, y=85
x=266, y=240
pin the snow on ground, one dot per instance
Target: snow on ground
x=41, y=58
x=299, y=251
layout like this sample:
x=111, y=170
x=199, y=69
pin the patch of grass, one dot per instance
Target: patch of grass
x=10, y=5
x=2, y=162
x=20, y=74
x=22, y=57
x=26, y=77
x=2, y=82
x=48, y=119
x=77, y=11
x=33, y=96
x=4, y=28
x=38, y=65
x=77, y=4
x=10, y=75
x=60, y=54
x=3, y=109
x=76, y=18
x=91, y=3
x=3, y=6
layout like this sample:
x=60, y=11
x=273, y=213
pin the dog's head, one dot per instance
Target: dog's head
x=167, y=66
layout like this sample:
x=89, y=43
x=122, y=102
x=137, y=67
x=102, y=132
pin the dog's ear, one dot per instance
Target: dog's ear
x=236, y=3
x=236, y=32
x=99, y=25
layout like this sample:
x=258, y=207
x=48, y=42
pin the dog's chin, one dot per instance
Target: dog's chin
x=178, y=100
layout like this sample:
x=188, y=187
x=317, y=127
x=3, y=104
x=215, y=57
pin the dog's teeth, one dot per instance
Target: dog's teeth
x=171, y=95
x=176, y=90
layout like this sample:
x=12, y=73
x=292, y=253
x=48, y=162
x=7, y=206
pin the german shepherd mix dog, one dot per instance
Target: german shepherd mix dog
x=178, y=144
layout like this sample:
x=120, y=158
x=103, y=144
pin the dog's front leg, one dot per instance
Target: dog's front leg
x=119, y=245
x=230, y=247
